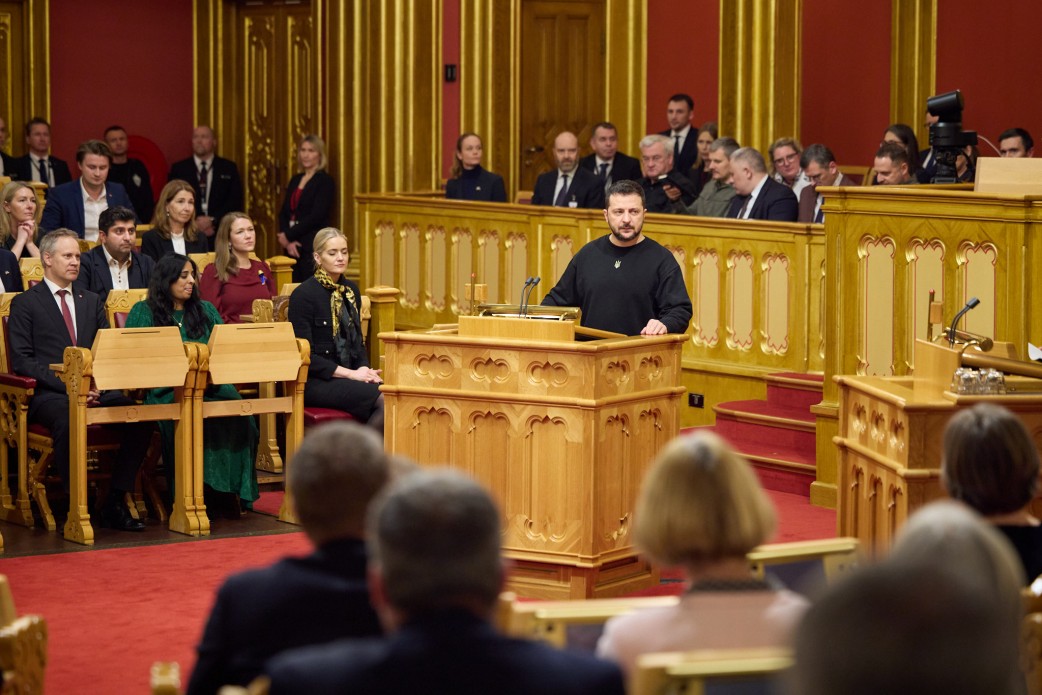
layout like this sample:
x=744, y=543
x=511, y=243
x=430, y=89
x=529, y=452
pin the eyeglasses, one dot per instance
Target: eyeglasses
x=786, y=159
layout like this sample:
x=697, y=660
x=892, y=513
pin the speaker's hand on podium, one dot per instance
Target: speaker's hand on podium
x=654, y=327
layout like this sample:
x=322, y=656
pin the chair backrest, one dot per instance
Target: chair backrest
x=5, y=314
x=23, y=646
x=251, y=352
x=857, y=174
x=139, y=231
x=119, y=303
x=722, y=672
x=202, y=260
x=86, y=246
x=803, y=566
x=32, y=271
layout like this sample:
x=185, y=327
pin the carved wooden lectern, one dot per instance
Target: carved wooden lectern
x=561, y=432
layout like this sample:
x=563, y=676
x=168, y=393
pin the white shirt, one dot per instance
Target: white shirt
x=599, y=161
x=53, y=289
x=179, y=243
x=683, y=136
x=119, y=271
x=36, y=169
x=798, y=185
x=92, y=209
x=205, y=202
x=752, y=199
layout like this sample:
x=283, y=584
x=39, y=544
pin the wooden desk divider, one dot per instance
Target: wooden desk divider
x=131, y=358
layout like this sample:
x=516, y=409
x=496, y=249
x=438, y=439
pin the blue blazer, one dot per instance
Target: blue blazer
x=64, y=206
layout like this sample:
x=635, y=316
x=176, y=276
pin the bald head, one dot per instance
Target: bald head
x=566, y=152
x=203, y=142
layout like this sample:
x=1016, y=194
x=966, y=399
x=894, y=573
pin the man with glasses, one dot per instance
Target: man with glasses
x=665, y=189
x=785, y=156
x=820, y=168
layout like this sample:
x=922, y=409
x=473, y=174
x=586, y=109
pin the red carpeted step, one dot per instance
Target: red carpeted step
x=758, y=421
x=791, y=390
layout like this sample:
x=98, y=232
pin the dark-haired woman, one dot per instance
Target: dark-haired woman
x=469, y=181
x=229, y=444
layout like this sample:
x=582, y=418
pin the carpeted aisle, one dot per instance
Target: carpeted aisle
x=112, y=613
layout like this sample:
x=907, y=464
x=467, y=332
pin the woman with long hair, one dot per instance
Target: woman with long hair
x=468, y=180
x=700, y=174
x=307, y=206
x=20, y=219
x=229, y=444
x=904, y=135
x=234, y=280
x=173, y=224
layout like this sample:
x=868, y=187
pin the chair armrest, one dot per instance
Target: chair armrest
x=20, y=382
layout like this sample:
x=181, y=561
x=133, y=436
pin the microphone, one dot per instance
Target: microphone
x=973, y=302
x=531, y=288
x=521, y=305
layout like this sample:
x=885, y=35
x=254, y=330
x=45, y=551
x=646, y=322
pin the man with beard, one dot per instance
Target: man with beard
x=568, y=186
x=625, y=282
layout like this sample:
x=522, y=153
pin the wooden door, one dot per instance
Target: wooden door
x=275, y=103
x=562, y=78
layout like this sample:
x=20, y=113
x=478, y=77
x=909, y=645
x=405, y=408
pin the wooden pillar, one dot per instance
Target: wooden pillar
x=913, y=63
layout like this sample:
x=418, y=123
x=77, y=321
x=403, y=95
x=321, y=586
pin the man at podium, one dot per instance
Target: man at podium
x=625, y=282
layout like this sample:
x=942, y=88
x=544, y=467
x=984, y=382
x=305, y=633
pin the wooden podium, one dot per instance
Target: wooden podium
x=891, y=430
x=561, y=432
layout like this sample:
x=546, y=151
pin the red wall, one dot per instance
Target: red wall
x=450, y=106
x=989, y=52
x=683, y=56
x=845, y=85
x=126, y=63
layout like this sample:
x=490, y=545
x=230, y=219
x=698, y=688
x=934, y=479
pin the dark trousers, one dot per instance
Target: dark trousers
x=51, y=409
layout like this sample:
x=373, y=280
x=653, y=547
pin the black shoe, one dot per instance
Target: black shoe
x=116, y=515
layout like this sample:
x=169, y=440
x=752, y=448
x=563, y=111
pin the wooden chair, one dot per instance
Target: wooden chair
x=32, y=271
x=870, y=178
x=857, y=174
x=800, y=565
x=717, y=671
x=263, y=353
x=523, y=198
x=23, y=646
x=86, y=246
x=119, y=303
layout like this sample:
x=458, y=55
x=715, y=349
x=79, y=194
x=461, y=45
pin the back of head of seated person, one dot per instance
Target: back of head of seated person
x=990, y=463
x=941, y=614
x=702, y=508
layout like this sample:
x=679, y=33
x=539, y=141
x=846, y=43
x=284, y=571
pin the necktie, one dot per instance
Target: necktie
x=562, y=197
x=67, y=315
x=745, y=206
x=44, y=175
x=676, y=147
x=820, y=217
x=202, y=184
x=603, y=173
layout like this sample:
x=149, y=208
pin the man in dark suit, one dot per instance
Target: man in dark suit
x=819, y=164
x=435, y=575
x=114, y=263
x=218, y=188
x=665, y=189
x=45, y=320
x=130, y=173
x=568, y=186
x=606, y=162
x=759, y=196
x=7, y=165
x=302, y=601
x=38, y=164
x=77, y=205
x=683, y=138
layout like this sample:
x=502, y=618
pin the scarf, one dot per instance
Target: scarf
x=336, y=299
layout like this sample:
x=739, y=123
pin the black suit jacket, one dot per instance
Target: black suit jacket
x=489, y=188
x=10, y=166
x=623, y=167
x=155, y=246
x=311, y=316
x=38, y=334
x=297, y=602
x=445, y=652
x=24, y=169
x=95, y=276
x=584, y=189
x=688, y=153
x=10, y=273
x=775, y=202
x=225, y=193
x=313, y=209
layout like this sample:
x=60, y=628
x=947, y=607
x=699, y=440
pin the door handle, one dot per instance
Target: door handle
x=535, y=149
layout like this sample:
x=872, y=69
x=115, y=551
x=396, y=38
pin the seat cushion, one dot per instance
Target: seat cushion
x=316, y=416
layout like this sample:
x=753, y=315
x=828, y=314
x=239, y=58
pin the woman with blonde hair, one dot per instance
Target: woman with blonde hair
x=234, y=280
x=468, y=180
x=307, y=206
x=701, y=508
x=173, y=224
x=20, y=219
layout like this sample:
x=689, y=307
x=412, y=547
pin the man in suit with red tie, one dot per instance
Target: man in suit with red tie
x=218, y=188
x=44, y=321
x=38, y=164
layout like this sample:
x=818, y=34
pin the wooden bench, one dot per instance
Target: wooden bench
x=701, y=671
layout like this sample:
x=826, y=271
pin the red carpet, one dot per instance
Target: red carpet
x=112, y=613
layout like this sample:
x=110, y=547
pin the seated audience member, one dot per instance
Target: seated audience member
x=606, y=162
x=666, y=190
x=325, y=311
x=78, y=204
x=699, y=172
x=37, y=164
x=301, y=601
x=229, y=443
x=820, y=168
x=568, y=186
x=234, y=280
x=173, y=224
x=990, y=463
x=19, y=219
x=1016, y=142
x=785, y=163
x=114, y=264
x=215, y=181
x=435, y=574
x=46, y=319
x=307, y=206
x=701, y=508
x=716, y=195
x=681, y=141
x=10, y=272
x=469, y=181
x=891, y=165
x=903, y=135
x=758, y=196
x=966, y=164
x=130, y=173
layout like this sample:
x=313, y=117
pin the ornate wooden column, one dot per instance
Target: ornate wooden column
x=760, y=70
x=25, y=72
x=913, y=63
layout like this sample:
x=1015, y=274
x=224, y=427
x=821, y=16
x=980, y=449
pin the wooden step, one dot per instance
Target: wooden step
x=794, y=390
x=764, y=413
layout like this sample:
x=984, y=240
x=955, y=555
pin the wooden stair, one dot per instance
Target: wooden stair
x=776, y=435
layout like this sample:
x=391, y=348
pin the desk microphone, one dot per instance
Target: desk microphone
x=531, y=288
x=521, y=307
x=962, y=312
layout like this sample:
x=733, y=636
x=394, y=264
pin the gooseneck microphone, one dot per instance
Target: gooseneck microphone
x=521, y=309
x=531, y=288
x=973, y=302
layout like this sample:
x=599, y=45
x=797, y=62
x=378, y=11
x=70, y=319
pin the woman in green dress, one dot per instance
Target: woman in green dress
x=229, y=444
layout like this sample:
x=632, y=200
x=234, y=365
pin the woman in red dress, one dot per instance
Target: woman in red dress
x=234, y=280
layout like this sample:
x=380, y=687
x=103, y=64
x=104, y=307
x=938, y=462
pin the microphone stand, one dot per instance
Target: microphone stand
x=973, y=302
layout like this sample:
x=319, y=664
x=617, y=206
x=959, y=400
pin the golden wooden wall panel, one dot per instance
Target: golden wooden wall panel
x=25, y=64
x=913, y=62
